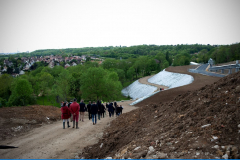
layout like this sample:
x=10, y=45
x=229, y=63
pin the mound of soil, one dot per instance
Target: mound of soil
x=15, y=121
x=202, y=123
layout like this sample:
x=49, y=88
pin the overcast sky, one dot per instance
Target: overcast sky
x=28, y=25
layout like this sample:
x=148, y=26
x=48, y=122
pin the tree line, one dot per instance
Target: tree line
x=122, y=65
x=89, y=81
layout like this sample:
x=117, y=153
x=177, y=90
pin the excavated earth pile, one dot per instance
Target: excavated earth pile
x=15, y=121
x=203, y=123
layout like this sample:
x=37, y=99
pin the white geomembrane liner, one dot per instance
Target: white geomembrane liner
x=170, y=79
x=142, y=91
x=138, y=90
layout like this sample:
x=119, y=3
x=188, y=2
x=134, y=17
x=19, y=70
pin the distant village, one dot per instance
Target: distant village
x=50, y=61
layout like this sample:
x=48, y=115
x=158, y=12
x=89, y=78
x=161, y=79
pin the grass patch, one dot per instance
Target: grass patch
x=48, y=101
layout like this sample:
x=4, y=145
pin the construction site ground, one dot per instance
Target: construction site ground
x=199, y=120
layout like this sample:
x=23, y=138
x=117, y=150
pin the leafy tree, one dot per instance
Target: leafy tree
x=167, y=57
x=109, y=63
x=56, y=70
x=45, y=81
x=121, y=75
x=90, y=64
x=88, y=59
x=113, y=87
x=21, y=92
x=130, y=73
x=5, y=86
x=93, y=83
x=74, y=85
x=151, y=66
x=35, y=82
x=61, y=88
x=47, y=70
x=36, y=71
x=9, y=70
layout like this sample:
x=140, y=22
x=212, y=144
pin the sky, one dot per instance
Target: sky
x=28, y=25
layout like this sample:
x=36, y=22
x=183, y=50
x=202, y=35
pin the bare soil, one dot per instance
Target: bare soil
x=199, y=120
x=38, y=134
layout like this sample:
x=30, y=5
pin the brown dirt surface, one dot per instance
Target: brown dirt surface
x=37, y=141
x=14, y=121
x=200, y=120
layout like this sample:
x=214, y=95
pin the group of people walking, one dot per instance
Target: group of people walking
x=95, y=110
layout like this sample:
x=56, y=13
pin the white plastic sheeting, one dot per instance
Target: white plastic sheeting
x=142, y=91
x=170, y=79
x=194, y=63
x=138, y=90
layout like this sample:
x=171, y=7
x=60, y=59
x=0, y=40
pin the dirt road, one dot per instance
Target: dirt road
x=51, y=141
x=144, y=80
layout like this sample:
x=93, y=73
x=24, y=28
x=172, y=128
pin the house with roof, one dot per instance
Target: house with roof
x=66, y=65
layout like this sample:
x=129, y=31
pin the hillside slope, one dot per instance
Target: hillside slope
x=201, y=121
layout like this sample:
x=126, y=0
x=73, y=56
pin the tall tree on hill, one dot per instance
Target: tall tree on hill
x=45, y=81
x=98, y=83
x=74, y=85
x=21, y=92
x=92, y=83
x=130, y=73
x=62, y=85
x=113, y=87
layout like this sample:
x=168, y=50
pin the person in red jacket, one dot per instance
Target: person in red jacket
x=65, y=114
x=74, y=108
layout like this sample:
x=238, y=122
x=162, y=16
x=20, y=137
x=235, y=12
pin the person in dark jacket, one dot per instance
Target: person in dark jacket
x=115, y=107
x=94, y=111
x=117, y=110
x=107, y=107
x=65, y=115
x=82, y=110
x=99, y=109
x=89, y=110
x=102, y=110
x=121, y=108
x=110, y=109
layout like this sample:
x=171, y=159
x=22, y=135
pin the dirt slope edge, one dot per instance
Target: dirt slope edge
x=202, y=123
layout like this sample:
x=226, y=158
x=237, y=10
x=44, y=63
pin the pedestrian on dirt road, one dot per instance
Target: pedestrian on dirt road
x=107, y=107
x=110, y=109
x=94, y=111
x=121, y=108
x=89, y=110
x=65, y=115
x=115, y=108
x=99, y=108
x=102, y=110
x=82, y=110
x=74, y=108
